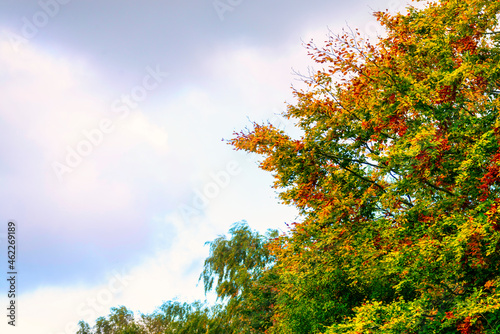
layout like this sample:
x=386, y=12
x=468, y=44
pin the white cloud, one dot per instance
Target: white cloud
x=164, y=276
x=50, y=103
x=47, y=101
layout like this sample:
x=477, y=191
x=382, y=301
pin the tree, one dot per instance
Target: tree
x=119, y=321
x=396, y=177
x=184, y=318
x=84, y=328
x=171, y=317
x=242, y=269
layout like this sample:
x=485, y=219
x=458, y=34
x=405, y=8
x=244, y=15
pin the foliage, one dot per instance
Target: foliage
x=171, y=317
x=119, y=321
x=84, y=328
x=184, y=318
x=396, y=177
x=242, y=269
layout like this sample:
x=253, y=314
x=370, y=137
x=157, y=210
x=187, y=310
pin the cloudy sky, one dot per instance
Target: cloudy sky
x=112, y=163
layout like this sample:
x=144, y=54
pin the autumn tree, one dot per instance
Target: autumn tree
x=396, y=177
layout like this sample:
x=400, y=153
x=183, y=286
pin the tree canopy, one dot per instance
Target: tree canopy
x=396, y=177
x=243, y=269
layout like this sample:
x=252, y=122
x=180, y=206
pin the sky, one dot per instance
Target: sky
x=114, y=164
